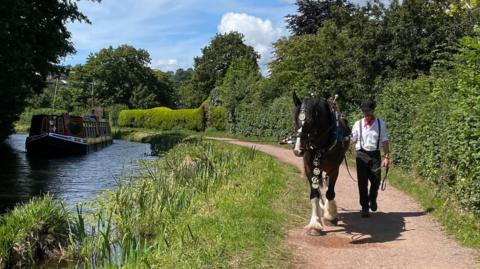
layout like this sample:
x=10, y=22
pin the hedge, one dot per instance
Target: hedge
x=434, y=125
x=217, y=118
x=163, y=118
x=266, y=120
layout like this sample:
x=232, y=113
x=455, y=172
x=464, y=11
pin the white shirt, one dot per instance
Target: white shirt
x=369, y=135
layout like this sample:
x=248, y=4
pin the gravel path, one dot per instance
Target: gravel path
x=399, y=235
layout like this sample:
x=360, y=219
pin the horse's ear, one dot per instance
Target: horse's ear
x=296, y=100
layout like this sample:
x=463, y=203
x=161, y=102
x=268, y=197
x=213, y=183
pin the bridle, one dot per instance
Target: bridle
x=309, y=144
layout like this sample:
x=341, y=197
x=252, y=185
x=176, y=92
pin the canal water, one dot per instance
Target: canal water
x=74, y=179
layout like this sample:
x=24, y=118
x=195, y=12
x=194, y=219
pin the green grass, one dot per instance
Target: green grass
x=243, y=225
x=462, y=225
x=204, y=205
x=33, y=231
x=142, y=135
x=21, y=128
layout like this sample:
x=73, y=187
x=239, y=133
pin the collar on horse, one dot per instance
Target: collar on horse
x=319, y=151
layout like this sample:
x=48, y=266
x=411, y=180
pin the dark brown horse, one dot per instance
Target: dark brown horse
x=320, y=140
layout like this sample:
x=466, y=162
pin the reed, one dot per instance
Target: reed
x=34, y=231
x=163, y=217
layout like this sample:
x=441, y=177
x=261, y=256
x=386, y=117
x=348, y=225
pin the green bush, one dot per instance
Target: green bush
x=26, y=116
x=217, y=118
x=114, y=113
x=163, y=118
x=267, y=120
x=434, y=125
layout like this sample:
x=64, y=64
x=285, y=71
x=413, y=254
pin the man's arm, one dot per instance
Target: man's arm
x=386, y=154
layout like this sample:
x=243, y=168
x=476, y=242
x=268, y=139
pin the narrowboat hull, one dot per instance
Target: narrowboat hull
x=55, y=144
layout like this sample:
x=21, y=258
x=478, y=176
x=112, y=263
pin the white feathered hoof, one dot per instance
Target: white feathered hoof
x=314, y=232
x=314, y=228
x=330, y=213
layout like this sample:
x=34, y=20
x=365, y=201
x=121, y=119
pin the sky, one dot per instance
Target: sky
x=175, y=31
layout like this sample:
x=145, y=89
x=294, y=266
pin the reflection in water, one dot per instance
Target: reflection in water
x=74, y=179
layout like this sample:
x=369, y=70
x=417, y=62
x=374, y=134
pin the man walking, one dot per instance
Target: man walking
x=369, y=133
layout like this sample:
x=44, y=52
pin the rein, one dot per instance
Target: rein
x=383, y=181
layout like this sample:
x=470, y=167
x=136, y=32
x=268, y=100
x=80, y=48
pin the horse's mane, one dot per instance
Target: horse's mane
x=318, y=114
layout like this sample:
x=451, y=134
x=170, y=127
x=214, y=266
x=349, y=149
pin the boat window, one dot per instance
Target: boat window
x=44, y=124
x=60, y=125
x=75, y=128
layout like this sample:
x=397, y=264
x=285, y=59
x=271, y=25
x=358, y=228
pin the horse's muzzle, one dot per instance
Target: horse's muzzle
x=298, y=152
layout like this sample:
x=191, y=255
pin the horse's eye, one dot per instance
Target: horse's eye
x=301, y=116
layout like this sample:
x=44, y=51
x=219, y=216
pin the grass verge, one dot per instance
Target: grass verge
x=204, y=205
x=142, y=135
x=462, y=225
x=33, y=231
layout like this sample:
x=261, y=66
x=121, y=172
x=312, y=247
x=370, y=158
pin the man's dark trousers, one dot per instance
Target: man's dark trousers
x=368, y=163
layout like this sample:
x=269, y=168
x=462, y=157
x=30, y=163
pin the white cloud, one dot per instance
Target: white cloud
x=165, y=64
x=260, y=34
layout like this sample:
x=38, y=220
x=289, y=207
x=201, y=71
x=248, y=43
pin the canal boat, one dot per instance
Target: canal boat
x=67, y=134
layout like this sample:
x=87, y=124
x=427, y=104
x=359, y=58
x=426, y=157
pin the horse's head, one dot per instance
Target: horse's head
x=313, y=123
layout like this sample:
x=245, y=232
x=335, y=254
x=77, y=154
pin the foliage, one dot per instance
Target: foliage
x=180, y=79
x=33, y=231
x=324, y=64
x=413, y=34
x=180, y=76
x=26, y=116
x=33, y=38
x=211, y=67
x=238, y=83
x=122, y=76
x=443, y=138
x=267, y=120
x=114, y=112
x=163, y=118
x=176, y=214
x=312, y=15
x=218, y=118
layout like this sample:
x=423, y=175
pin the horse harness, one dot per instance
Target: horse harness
x=318, y=151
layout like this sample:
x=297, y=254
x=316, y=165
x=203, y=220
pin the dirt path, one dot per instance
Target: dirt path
x=398, y=235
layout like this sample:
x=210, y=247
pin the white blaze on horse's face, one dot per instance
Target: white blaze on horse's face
x=297, y=150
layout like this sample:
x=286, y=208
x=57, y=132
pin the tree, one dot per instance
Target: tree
x=210, y=68
x=324, y=64
x=180, y=78
x=122, y=76
x=33, y=38
x=414, y=33
x=312, y=15
x=238, y=83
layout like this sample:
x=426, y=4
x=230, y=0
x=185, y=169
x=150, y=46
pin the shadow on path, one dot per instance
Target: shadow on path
x=380, y=227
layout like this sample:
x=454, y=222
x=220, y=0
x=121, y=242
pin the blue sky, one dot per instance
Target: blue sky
x=174, y=32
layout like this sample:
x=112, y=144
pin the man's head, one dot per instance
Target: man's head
x=368, y=107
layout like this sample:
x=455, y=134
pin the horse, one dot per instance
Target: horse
x=321, y=140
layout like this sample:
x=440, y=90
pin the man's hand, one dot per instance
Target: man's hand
x=386, y=162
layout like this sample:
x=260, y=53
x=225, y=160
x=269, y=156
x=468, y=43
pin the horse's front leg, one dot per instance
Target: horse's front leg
x=331, y=212
x=315, y=226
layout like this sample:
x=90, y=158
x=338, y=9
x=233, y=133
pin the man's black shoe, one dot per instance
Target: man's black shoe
x=373, y=206
x=365, y=213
